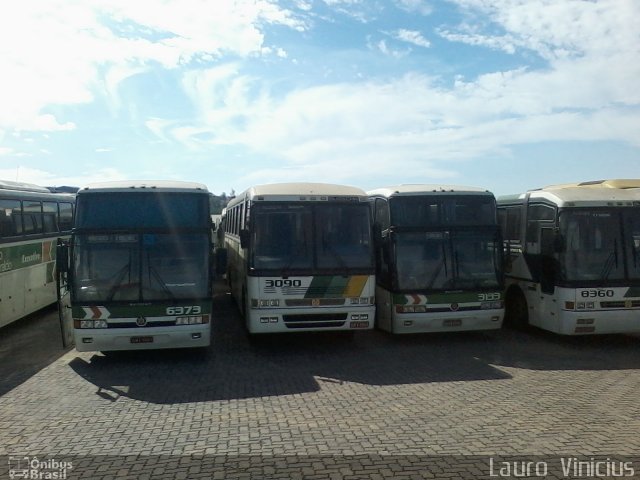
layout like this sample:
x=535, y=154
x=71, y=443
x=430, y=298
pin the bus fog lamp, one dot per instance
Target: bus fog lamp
x=264, y=319
x=273, y=319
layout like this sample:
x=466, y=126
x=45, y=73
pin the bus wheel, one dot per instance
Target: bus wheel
x=516, y=310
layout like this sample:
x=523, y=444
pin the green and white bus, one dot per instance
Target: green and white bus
x=574, y=257
x=438, y=259
x=31, y=220
x=139, y=267
x=300, y=257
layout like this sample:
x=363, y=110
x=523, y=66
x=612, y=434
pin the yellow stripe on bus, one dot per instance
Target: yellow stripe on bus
x=355, y=286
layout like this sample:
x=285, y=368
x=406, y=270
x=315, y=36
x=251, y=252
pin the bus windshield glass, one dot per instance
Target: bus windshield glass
x=594, y=246
x=303, y=237
x=435, y=210
x=140, y=268
x=447, y=260
x=143, y=210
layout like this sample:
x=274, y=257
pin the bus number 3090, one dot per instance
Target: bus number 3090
x=597, y=293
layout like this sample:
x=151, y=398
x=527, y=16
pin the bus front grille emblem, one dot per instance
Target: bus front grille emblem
x=141, y=321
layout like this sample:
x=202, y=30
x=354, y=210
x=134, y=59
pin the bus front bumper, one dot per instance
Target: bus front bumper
x=447, y=322
x=111, y=339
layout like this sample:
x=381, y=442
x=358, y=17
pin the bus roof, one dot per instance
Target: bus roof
x=602, y=193
x=22, y=187
x=298, y=192
x=426, y=189
x=143, y=185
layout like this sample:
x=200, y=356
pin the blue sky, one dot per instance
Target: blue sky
x=502, y=94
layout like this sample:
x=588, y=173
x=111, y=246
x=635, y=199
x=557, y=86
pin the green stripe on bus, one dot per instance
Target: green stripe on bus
x=632, y=292
x=25, y=255
x=445, y=298
x=327, y=286
x=129, y=311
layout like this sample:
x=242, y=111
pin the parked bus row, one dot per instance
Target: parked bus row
x=137, y=269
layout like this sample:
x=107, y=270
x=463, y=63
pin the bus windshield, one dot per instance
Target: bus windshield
x=447, y=260
x=436, y=210
x=140, y=268
x=303, y=237
x=596, y=247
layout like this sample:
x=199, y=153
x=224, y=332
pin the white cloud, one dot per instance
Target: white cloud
x=415, y=6
x=413, y=37
x=587, y=92
x=555, y=30
x=51, y=179
x=62, y=52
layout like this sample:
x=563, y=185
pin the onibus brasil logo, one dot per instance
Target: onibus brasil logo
x=33, y=468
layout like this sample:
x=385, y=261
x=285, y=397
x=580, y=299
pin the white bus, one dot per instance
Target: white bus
x=574, y=265
x=31, y=220
x=300, y=257
x=139, y=266
x=438, y=258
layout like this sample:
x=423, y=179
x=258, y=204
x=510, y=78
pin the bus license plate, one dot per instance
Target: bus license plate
x=359, y=325
x=141, y=339
x=452, y=323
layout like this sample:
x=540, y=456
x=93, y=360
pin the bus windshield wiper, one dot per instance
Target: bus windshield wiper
x=117, y=285
x=337, y=257
x=152, y=271
x=611, y=260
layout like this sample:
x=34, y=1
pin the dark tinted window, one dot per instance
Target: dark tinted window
x=132, y=210
x=425, y=211
x=66, y=217
x=50, y=217
x=10, y=218
x=32, y=217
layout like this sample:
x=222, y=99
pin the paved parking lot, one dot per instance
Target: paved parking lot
x=317, y=406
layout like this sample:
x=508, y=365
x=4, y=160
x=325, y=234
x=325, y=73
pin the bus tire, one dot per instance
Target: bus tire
x=516, y=309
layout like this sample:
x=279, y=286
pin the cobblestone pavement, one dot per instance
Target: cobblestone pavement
x=320, y=405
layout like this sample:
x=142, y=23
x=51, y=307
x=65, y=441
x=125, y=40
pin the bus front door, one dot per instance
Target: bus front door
x=64, y=296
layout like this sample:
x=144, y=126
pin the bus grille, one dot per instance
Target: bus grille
x=320, y=320
x=622, y=304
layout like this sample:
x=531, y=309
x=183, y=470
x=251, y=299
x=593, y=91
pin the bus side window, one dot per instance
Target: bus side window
x=10, y=218
x=50, y=217
x=66, y=217
x=32, y=217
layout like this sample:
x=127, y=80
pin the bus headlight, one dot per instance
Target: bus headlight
x=193, y=320
x=90, y=324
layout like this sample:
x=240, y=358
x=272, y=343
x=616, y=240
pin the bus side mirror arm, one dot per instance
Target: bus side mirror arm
x=62, y=257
